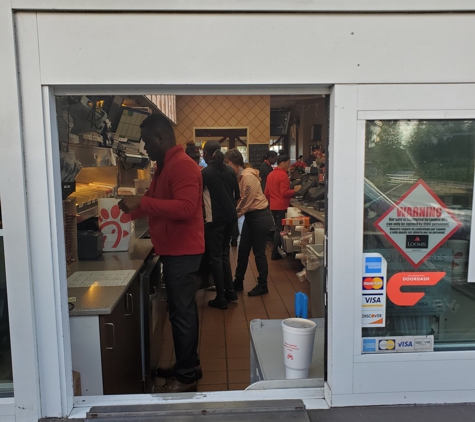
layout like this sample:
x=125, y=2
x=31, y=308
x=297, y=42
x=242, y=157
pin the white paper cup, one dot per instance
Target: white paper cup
x=459, y=255
x=299, y=336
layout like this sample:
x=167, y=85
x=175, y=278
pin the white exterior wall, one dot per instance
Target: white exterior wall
x=176, y=53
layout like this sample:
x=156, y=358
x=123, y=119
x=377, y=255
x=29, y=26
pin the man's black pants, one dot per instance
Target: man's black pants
x=179, y=275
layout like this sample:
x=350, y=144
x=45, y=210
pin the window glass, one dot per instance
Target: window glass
x=6, y=375
x=417, y=214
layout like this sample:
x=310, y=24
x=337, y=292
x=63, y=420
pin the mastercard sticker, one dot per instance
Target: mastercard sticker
x=373, y=283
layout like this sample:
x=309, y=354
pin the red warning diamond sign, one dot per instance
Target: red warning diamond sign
x=418, y=224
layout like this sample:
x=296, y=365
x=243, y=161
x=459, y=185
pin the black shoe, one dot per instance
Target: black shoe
x=238, y=286
x=218, y=303
x=170, y=372
x=230, y=296
x=275, y=256
x=233, y=242
x=174, y=386
x=260, y=289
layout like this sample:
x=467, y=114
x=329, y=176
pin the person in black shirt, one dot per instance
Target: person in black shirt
x=266, y=167
x=220, y=196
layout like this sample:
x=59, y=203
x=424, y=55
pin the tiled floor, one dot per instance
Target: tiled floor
x=224, y=335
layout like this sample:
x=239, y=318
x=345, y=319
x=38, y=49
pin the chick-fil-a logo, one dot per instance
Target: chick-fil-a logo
x=399, y=280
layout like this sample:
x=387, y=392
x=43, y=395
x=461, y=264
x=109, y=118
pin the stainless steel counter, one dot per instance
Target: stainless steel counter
x=319, y=215
x=97, y=300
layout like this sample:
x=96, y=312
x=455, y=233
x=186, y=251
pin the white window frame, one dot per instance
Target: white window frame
x=427, y=385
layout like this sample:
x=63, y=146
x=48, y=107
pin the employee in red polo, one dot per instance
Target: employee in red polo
x=173, y=205
x=278, y=193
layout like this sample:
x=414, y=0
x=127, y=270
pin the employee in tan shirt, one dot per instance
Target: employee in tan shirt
x=257, y=223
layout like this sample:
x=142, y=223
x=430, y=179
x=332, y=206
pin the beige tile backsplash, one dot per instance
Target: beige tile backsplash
x=252, y=111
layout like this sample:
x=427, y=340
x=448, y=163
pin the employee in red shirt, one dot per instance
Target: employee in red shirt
x=173, y=205
x=278, y=193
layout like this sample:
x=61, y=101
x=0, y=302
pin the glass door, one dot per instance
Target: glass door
x=6, y=374
x=418, y=194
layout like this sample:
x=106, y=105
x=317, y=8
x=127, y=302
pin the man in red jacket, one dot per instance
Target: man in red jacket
x=173, y=205
x=278, y=193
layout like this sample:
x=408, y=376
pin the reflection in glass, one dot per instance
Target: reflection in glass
x=6, y=376
x=441, y=153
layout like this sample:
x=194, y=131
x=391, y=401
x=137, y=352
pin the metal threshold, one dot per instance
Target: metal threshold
x=262, y=411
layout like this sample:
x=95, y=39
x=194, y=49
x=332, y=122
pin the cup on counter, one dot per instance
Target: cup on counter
x=299, y=337
x=140, y=186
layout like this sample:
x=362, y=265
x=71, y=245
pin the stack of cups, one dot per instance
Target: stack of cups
x=299, y=337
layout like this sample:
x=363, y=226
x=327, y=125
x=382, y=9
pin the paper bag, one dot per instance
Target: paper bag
x=115, y=225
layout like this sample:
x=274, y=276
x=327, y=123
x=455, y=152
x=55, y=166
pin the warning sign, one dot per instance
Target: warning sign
x=418, y=224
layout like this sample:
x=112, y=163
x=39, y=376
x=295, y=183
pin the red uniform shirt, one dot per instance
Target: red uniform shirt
x=173, y=205
x=278, y=191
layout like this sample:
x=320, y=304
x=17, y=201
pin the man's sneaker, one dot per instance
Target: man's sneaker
x=174, y=386
x=238, y=286
x=169, y=372
x=260, y=289
x=230, y=296
x=219, y=303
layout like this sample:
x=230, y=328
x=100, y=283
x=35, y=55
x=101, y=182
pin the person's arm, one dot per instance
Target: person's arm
x=285, y=190
x=186, y=190
x=249, y=187
x=267, y=193
x=237, y=191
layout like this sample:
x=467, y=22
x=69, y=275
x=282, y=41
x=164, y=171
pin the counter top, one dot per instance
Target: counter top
x=99, y=300
x=319, y=215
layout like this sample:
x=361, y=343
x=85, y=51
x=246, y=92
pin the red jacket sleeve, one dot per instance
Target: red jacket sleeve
x=139, y=213
x=285, y=190
x=187, y=190
x=267, y=193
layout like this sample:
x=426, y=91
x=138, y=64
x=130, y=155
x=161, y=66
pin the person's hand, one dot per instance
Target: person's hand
x=129, y=203
x=297, y=188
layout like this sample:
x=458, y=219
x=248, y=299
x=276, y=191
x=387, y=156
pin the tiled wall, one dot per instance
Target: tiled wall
x=251, y=111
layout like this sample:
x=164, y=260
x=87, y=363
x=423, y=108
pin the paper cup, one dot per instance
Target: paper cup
x=459, y=255
x=299, y=336
x=140, y=186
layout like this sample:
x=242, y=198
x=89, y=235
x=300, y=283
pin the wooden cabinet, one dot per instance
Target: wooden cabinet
x=106, y=349
x=118, y=352
x=120, y=338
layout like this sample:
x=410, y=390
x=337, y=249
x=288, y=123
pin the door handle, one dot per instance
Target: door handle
x=129, y=304
x=325, y=251
x=113, y=335
x=154, y=295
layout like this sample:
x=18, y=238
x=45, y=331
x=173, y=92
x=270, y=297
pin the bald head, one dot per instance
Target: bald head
x=158, y=136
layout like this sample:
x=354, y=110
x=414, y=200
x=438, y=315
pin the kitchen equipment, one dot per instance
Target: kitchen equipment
x=89, y=244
